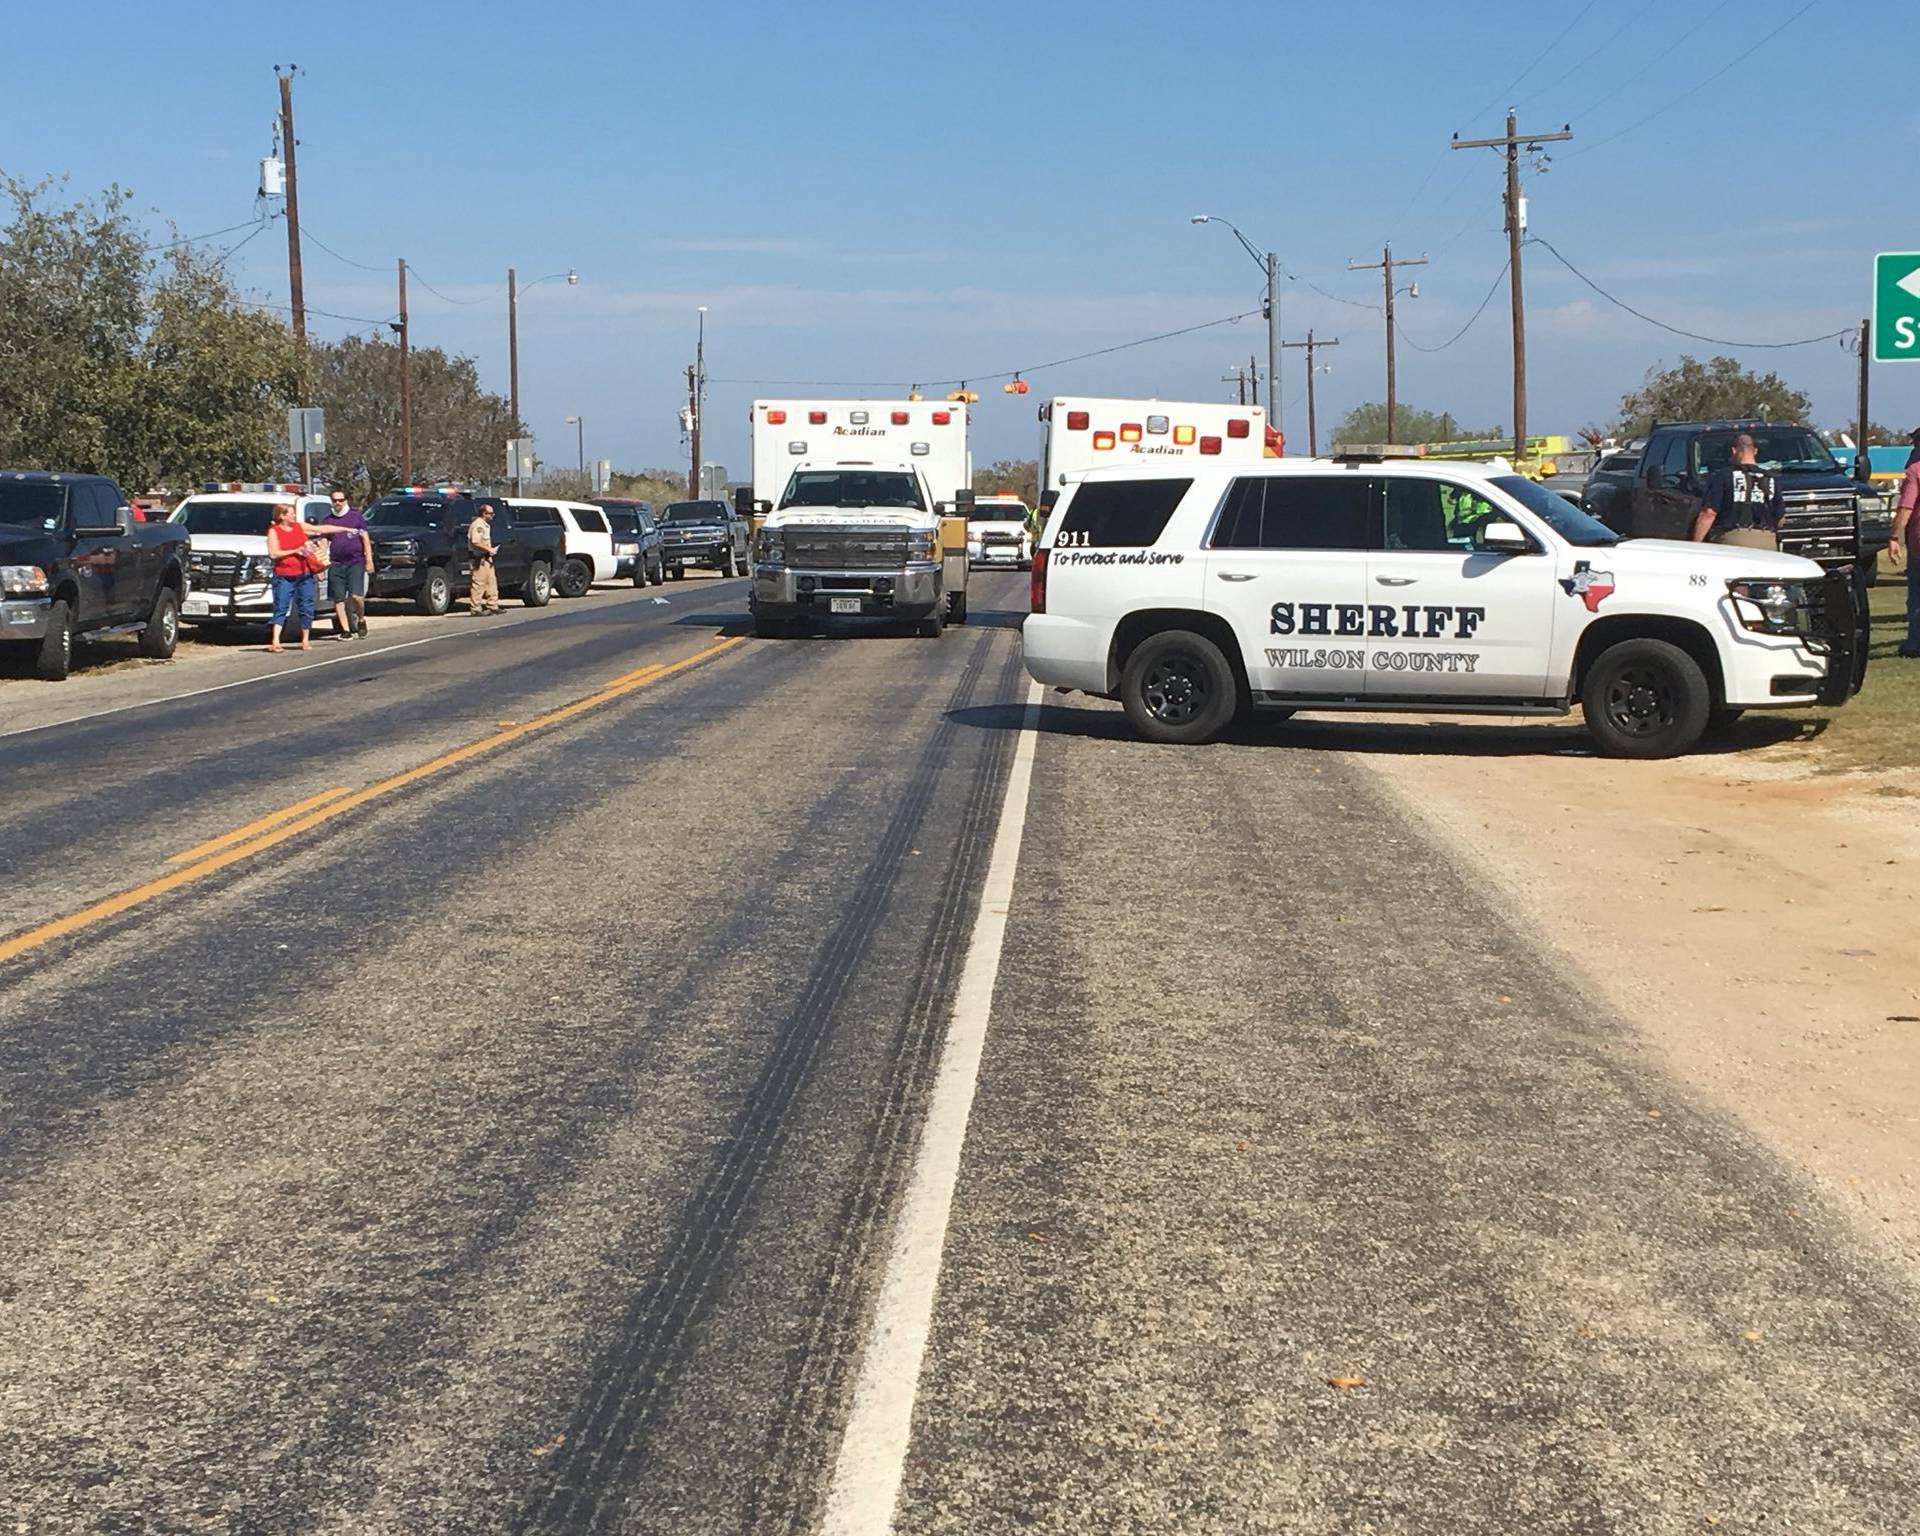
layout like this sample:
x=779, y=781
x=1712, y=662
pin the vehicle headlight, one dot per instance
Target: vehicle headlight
x=1773, y=606
x=770, y=548
x=257, y=569
x=923, y=546
x=23, y=580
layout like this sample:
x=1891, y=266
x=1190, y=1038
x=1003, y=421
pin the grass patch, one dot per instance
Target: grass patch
x=1880, y=728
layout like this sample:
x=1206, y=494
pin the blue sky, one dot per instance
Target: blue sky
x=893, y=192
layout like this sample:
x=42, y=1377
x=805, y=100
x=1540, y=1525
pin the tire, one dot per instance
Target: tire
x=575, y=577
x=640, y=574
x=1645, y=699
x=679, y=573
x=659, y=577
x=1178, y=688
x=54, y=660
x=956, y=607
x=435, y=596
x=930, y=627
x=162, y=632
x=537, y=590
x=728, y=567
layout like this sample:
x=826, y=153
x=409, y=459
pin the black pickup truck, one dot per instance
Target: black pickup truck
x=75, y=564
x=708, y=533
x=420, y=548
x=1825, y=515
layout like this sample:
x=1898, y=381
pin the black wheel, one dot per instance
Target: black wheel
x=574, y=578
x=929, y=628
x=728, y=567
x=640, y=574
x=54, y=660
x=162, y=632
x=537, y=590
x=956, y=607
x=1645, y=698
x=659, y=577
x=435, y=596
x=1177, y=688
x=679, y=573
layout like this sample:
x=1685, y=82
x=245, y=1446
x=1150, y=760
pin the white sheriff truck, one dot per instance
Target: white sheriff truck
x=228, y=571
x=999, y=532
x=1196, y=592
x=858, y=508
x=1081, y=432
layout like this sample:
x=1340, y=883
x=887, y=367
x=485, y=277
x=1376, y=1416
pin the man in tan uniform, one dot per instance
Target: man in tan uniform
x=484, y=595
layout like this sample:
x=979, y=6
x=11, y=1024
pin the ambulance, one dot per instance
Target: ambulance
x=1079, y=432
x=858, y=509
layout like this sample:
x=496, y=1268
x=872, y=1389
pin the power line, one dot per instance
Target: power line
x=1507, y=94
x=307, y=231
x=1718, y=341
x=213, y=234
x=985, y=377
x=1492, y=289
x=256, y=232
x=1588, y=56
x=412, y=272
x=1675, y=100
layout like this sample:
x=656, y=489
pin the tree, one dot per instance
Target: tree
x=460, y=430
x=1879, y=436
x=1020, y=476
x=1368, y=424
x=1716, y=390
x=658, y=486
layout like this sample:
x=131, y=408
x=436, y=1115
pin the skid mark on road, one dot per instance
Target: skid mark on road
x=605, y=1445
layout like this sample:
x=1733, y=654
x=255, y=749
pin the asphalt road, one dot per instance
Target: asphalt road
x=518, y=1148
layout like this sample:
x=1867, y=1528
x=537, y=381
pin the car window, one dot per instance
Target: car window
x=1317, y=511
x=1108, y=514
x=590, y=522
x=1674, y=460
x=1433, y=516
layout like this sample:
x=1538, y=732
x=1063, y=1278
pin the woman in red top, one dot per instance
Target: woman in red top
x=293, y=581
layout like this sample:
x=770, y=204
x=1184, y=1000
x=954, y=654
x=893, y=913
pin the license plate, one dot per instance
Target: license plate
x=845, y=605
x=194, y=605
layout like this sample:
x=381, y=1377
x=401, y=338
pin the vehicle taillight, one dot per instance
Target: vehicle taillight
x=1209, y=445
x=1037, y=585
x=1130, y=432
x=899, y=418
x=1102, y=441
x=816, y=418
x=943, y=418
x=776, y=418
x=1183, y=436
x=1076, y=421
x=1239, y=426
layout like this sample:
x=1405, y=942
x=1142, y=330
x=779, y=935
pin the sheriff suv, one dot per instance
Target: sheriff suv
x=1197, y=593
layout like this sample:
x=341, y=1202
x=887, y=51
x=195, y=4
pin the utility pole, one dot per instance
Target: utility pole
x=1273, y=349
x=1861, y=470
x=1253, y=382
x=406, y=386
x=513, y=356
x=1516, y=212
x=1384, y=266
x=1312, y=344
x=696, y=399
x=296, y=286
x=1238, y=378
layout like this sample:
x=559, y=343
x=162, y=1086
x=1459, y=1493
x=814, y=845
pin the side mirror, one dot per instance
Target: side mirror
x=743, y=501
x=1497, y=536
x=1862, y=466
x=963, y=503
x=1656, y=477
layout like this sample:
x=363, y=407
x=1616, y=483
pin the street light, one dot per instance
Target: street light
x=1270, y=264
x=513, y=340
x=579, y=425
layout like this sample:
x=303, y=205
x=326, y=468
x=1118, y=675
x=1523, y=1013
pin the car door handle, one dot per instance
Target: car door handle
x=1235, y=575
x=1396, y=581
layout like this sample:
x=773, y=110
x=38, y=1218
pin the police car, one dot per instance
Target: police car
x=1195, y=593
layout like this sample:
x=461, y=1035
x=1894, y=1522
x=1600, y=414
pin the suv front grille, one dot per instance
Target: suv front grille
x=829, y=549
x=211, y=571
x=1818, y=524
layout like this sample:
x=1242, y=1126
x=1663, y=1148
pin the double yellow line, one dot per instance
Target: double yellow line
x=257, y=836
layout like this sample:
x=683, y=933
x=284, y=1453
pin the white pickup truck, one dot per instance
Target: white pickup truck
x=228, y=569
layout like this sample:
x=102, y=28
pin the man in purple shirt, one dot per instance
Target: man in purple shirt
x=350, y=558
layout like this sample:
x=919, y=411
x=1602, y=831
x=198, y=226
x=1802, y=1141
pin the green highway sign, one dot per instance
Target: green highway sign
x=1896, y=307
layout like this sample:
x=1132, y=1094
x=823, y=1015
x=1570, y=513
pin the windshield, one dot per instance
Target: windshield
x=30, y=504
x=853, y=488
x=408, y=512
x=230, y=517
x=1559, y=514
x=1778, y=448
x=695, y=512
x=623, y=522
x=999, y=512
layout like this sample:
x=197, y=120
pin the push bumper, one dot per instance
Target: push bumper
x=248, y=604
x=24, y=618
x=912, y=592
x=695, y=554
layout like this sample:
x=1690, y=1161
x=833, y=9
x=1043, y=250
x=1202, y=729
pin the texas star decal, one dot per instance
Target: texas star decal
x=1592, y=587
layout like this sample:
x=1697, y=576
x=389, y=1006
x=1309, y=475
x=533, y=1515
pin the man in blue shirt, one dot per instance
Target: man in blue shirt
x=1742, y=504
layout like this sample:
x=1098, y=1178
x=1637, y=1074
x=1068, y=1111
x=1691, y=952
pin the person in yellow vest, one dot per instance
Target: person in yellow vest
x=484, y=595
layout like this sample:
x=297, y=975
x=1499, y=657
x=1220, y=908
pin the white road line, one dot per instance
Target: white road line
x=866, y=1477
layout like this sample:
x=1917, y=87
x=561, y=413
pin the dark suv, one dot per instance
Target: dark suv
x=632, y=522
x=708, y=533
x=420, y=548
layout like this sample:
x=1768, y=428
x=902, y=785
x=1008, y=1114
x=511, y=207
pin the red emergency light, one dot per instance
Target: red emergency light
x=1209, y=445
x=817, y=418
x=900, y=418
x=1077, y=421
x=1102, y=441
x=1130, y=432
x=776, y=418
x=1239, y=426
x=943, y=418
